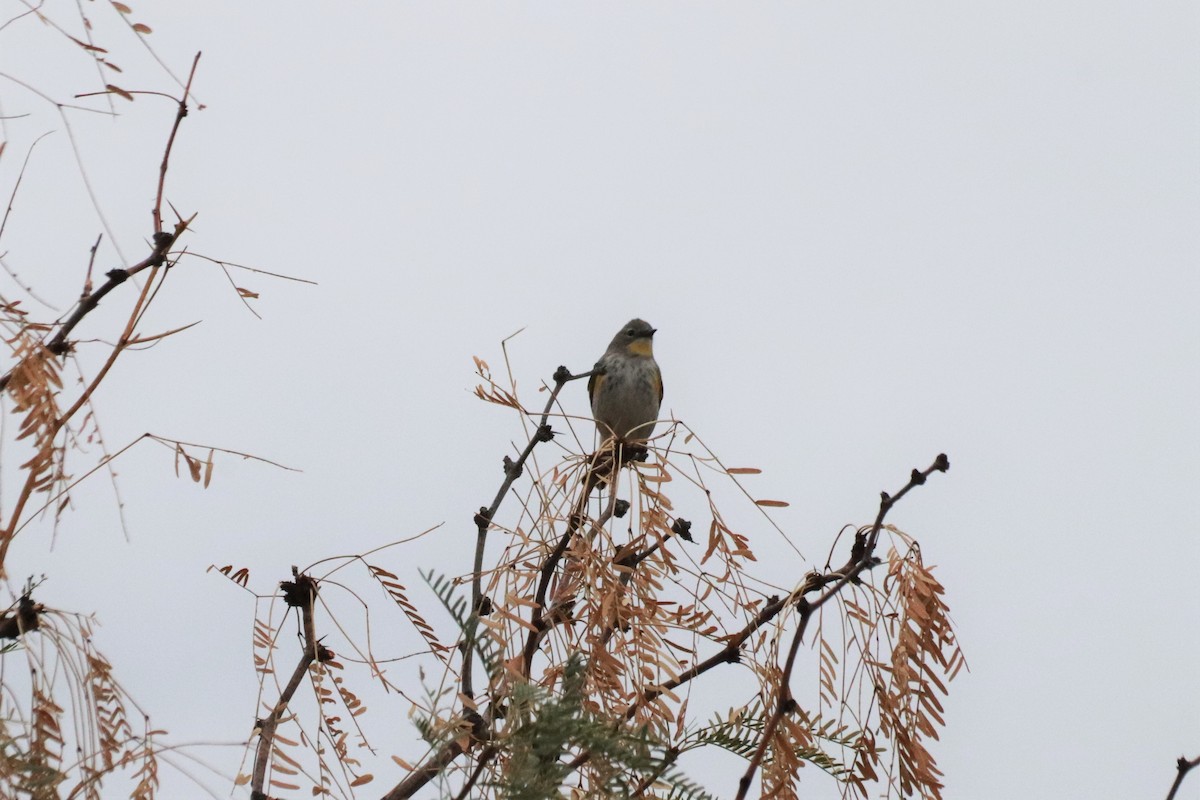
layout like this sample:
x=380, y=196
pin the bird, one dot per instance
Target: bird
x=626, y=390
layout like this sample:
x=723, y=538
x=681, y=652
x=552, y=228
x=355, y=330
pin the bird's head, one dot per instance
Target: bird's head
x=635, y=338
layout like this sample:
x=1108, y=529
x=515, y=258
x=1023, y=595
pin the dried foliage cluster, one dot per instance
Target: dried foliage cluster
x=599, y=627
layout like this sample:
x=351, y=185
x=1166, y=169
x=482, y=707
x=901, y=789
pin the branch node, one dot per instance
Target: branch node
x=941, y=463
x=483, y=518
x=300, y=592
x=626, y=556
x=621, y=509
x=917, y=478
x=23, y=621
x=512, y=469
x=859, y=548
x=562, y=374
x=683, y=529
x=544, y=433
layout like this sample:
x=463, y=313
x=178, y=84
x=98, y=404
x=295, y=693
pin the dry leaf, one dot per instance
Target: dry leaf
x=120, y=91
x=90, y=47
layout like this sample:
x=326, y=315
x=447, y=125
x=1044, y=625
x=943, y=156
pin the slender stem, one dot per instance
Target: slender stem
x=483, y=521
x=485, y=758
x=306, y=590
x=538, y=617
x=162, y=169
x=1183, y=766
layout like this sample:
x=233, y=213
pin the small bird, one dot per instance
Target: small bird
x=627, y=396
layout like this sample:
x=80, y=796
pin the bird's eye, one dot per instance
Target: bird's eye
x=631, y=333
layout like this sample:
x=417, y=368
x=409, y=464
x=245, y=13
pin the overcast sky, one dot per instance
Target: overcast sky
x=867, y=234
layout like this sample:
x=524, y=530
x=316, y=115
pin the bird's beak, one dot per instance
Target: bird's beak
x=653, y=331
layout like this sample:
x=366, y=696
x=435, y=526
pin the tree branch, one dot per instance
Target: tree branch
x=162, y=169
x=163, y=241
x=863, y=558
x=483, y=520
x=429, y=770
x=301, y=593
x=1183, y=766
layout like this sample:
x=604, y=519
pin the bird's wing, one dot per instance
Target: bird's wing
x=594, y=384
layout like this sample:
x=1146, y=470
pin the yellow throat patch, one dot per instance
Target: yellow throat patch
x=641, y=347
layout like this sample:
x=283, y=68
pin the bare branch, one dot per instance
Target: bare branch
x=301, y=593
x=1182, y=766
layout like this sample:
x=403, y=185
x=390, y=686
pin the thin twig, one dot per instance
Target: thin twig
x=647, y=782
x=20, y=175
x=7, y=211
x=1183, y=766
x=58, y=344
x=87, y=281
x=162, y=170
x=301, y=593
x=538, y=618
x=235, y=265
x=485, y=757
x=483, y=520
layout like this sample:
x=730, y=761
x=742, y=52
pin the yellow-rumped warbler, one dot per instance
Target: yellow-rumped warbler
x=626, y=398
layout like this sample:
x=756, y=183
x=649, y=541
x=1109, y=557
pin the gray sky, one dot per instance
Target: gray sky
x=866, y=233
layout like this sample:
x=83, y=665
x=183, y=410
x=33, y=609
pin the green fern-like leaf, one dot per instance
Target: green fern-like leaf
x=742, y=734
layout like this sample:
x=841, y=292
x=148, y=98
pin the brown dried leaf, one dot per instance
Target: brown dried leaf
x=140, y=28
x=119, y=91
x=773, y=503
x=193, y=467
x=90, y=47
